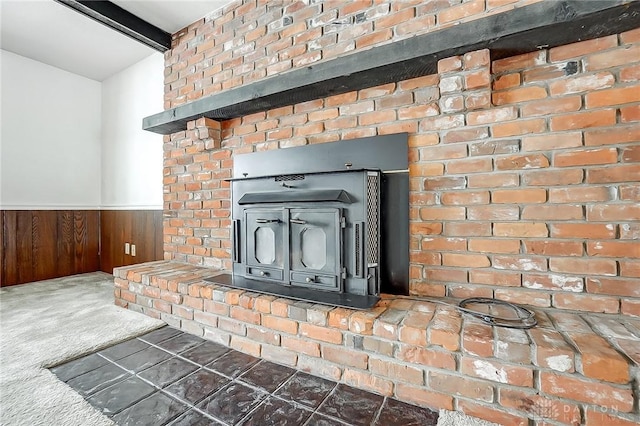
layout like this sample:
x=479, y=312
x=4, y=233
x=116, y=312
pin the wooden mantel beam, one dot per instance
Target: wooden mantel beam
x=538, y=26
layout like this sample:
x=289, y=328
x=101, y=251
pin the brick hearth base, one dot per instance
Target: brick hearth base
x=572, y=368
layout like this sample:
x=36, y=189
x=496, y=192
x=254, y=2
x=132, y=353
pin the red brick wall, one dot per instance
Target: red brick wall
x=252, y=39
x=524, y=171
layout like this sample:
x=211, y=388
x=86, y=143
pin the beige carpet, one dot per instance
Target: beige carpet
x=45, y=323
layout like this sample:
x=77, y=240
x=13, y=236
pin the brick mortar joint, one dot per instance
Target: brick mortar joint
x=394, y=381
x=175, y=281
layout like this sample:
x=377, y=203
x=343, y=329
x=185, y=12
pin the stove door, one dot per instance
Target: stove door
x=315, y=248
x=265, y=248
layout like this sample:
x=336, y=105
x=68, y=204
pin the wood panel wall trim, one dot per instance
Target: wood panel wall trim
x=2, y=250
x=43, y=244
x=140, y=227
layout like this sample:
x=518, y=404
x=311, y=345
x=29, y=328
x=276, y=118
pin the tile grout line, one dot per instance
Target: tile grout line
x=238, y=380
x=208, y=367
x=189, y=405
x=193, y=407
x=315, y=411
x=156, y=387
x=273, y=394
x=177, y=355
x=377, y=416
x=200, y=367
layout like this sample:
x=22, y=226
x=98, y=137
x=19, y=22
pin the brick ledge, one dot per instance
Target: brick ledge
x=573, y=367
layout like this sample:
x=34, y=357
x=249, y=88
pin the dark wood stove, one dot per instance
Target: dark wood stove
x=315, y=232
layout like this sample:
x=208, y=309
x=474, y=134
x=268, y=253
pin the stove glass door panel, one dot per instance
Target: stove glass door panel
x=315, y=247
x=265, y=242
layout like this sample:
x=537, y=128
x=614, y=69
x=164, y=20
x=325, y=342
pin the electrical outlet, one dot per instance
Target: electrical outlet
x=126, y=248
x=133, y=249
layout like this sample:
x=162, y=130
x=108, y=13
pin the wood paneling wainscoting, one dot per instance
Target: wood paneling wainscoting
x=44, y=244
x=143, y=228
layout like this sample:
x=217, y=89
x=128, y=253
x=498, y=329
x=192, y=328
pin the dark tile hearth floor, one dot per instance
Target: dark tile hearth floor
x=167, y=377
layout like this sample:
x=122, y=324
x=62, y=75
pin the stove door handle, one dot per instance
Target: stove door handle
x=236, y=240
x=298, y=221
x=267, y=220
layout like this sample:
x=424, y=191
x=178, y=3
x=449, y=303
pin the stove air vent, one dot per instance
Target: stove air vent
x=288, y=178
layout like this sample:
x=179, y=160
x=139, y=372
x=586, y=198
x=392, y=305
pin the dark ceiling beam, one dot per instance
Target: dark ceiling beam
x=119, y=19
x=541, y=25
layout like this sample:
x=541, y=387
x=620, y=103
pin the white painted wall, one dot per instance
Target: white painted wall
x=50, y=137
x=68, y=142
x=132, y=157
